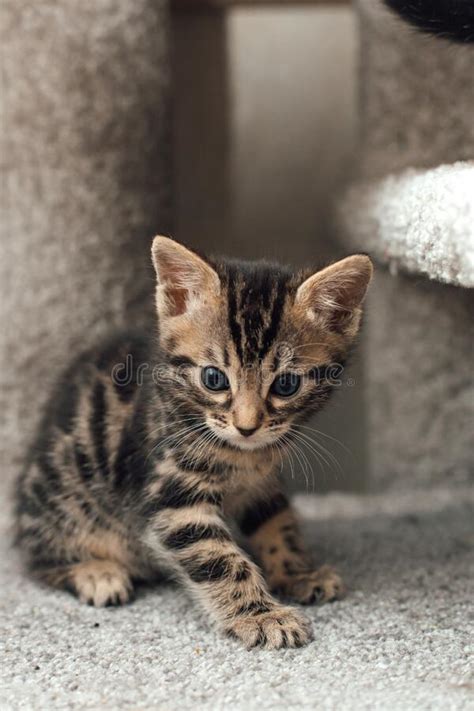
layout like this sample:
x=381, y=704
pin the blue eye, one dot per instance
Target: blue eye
x=214, y=379
x=286, y=385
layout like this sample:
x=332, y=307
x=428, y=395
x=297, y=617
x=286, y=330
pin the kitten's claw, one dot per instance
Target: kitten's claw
x=278, y=628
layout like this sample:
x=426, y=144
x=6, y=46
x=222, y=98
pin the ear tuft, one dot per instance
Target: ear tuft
x=183, y=278
x=334, y=295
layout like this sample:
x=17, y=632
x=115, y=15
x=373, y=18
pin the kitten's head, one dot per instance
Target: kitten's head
x=254, y=344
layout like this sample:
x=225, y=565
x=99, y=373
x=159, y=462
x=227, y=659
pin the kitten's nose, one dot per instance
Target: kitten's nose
x=247, y=432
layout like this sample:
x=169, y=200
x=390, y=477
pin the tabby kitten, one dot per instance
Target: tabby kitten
x=151, y=469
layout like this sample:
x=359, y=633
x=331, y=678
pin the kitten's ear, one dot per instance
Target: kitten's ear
x=333, y=296
x=183, y=278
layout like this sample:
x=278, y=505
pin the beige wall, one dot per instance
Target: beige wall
x=292, y=94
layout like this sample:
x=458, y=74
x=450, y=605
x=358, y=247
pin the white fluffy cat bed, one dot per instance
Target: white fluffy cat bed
x=412, y=208
x=420, y=221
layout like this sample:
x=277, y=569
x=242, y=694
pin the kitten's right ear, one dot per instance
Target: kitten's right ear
x=333, y=297
x=183, y=279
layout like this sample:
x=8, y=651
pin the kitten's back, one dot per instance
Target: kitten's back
x=78, y=460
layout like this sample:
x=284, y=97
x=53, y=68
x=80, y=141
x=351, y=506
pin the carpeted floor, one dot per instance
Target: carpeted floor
x=400, y=641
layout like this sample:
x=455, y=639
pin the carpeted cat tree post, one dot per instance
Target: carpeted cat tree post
x=84, y=187
x=412, y=208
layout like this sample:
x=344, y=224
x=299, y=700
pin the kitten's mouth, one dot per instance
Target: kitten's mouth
x=259, y=441
x=250, y=445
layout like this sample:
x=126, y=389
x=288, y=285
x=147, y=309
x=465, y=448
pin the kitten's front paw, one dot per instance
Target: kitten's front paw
x=315, y=587
x=101, y=583
x=280, y=627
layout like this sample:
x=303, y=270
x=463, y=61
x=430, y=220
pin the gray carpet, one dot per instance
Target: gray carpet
x=401, y=640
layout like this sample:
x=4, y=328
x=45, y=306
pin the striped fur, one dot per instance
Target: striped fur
x=138, y=467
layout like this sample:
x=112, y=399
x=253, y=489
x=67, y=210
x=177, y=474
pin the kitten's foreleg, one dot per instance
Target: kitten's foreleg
x=191, y=534
x=271, y=527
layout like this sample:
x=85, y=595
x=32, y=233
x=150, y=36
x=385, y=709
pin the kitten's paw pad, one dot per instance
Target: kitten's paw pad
x=280, y=627
x=101, y=583
x=316, y=587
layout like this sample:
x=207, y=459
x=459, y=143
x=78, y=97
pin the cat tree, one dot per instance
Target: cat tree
x=84, y=171
x=412, y=208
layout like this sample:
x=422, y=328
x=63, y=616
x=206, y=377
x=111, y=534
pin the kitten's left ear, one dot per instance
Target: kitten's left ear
x=333, y=296
x=184, y=279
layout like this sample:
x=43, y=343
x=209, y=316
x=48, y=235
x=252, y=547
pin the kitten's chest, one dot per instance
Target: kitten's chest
x=246, y=482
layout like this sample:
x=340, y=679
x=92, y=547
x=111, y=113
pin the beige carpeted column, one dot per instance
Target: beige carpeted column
x=84, y=186
x=417, y=104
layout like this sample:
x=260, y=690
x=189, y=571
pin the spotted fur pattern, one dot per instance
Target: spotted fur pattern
x=138, y=468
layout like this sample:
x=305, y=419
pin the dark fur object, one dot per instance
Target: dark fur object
x=452, y=19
